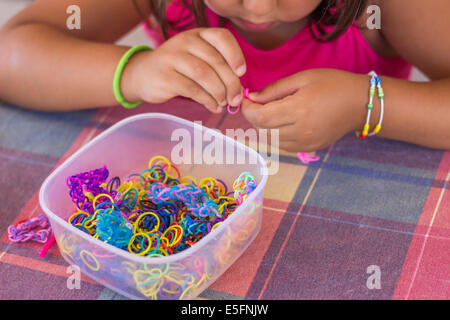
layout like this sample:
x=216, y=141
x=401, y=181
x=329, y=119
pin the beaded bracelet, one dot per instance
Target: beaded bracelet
x=375, y=82
x=118, y=76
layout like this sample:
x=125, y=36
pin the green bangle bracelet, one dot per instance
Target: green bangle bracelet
x=118, y=76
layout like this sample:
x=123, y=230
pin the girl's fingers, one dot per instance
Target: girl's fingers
x=273, y=115
x=204, y=75
x=225, y=43
x=231, y=81
x=277, y=90
x=186, y=87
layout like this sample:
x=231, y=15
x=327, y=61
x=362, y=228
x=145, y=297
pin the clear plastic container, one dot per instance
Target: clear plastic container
x=126, y=148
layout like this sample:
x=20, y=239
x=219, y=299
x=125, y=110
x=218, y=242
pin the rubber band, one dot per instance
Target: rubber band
x=238, y=108
x=96, y=267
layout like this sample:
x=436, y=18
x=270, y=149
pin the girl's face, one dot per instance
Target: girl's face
x=262, y=15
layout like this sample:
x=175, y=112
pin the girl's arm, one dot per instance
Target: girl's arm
x=46, y=66
x=419, y=32
x=313, y=109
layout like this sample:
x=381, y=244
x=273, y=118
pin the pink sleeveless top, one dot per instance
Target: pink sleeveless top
x=350, y=52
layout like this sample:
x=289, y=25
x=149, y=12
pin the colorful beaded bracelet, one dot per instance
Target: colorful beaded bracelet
x=375, y=83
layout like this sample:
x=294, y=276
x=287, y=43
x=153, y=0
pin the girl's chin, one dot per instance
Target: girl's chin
x=254, y=27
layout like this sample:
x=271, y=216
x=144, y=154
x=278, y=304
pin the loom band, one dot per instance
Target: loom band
x=95, y=266
x=154, y=251
x=144, y=180
x=111, y=182
x=134, y=248
x=218, y=185
x=244, y=175
x=161, y=176
x=82, y=228
x=124, y=187
x=203, y=280
x=89, y=195
x=152, y=292
x=142, y=278
x=190, y=288
x=146, y=214
x=241, y=236
x=148, y=205
x=99, y=253
x=150, y=284
x=166, y=249
x=165, y=293
x=215, y=226
x=129, y=201
x=76, y=216
x=176, y=239
x=175, y=168
x=99, y=196
x=163, y=209
x=129, y=266
x=176, y=228
x=188, y=180
x=161, y=159
x=148, y=246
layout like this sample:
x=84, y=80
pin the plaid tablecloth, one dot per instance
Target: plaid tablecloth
x=367, y=208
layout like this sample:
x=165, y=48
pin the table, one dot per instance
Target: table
x=370, y=220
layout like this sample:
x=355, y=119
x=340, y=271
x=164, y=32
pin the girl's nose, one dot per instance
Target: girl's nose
x=259, y=8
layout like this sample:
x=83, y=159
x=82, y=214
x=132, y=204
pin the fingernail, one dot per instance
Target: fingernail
x=223, y=103
x=236, y=100
x=241, y=70
x=219, y=109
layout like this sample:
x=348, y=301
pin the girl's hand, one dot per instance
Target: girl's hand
x=203, y=64
x=312, y=109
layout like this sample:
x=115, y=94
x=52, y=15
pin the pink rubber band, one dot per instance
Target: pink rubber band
x=47, y=246
x=307, y=158
x=238, y=108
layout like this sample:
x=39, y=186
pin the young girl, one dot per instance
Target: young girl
x=305, y=62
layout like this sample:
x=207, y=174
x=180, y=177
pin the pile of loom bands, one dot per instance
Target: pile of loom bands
x=155, y=213
x=243, y=186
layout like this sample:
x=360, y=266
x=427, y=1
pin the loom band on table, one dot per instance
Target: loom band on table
x=95, y=266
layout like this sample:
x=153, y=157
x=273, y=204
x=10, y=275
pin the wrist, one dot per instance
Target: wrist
x=130, y=82
x=360, y=86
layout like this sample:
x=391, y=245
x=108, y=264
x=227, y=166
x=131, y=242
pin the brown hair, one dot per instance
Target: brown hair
x=338, y=13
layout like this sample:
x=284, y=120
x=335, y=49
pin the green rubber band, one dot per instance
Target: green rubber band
x=118, y=76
